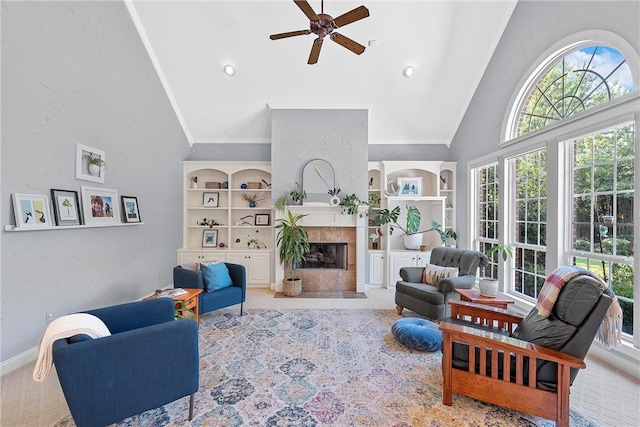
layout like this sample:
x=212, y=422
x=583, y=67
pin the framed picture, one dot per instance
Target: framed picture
x=31, y=211
x=99, y=206
x=66, y=207
x=263, y=219
x=410, y=186
x=210, y=238
x=90, y=163
x=130, y=211
x=210, y=200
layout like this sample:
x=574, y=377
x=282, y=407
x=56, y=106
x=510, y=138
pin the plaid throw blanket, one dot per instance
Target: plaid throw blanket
x=610, y=331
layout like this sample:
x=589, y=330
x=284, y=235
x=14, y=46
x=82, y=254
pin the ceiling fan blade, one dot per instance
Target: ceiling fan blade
x=289, y=34
x=307, y=9
x=352, y=16
x=315, y=51
x=344, y=41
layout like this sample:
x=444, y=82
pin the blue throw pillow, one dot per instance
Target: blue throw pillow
x=215, y=276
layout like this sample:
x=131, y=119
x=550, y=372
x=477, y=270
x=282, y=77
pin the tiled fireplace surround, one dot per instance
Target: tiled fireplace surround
x=328, y=224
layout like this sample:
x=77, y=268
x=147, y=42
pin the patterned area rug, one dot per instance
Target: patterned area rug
x=320, y=368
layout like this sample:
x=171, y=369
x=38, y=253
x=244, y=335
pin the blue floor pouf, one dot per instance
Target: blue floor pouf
x=419, y=334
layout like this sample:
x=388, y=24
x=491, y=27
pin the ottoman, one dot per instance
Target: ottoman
x=419, y=334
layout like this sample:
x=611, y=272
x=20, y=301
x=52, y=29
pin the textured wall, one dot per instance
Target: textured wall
x=77, y=72
x=338, y=136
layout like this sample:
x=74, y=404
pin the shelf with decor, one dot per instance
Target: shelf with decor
x=219, y=218
x=401, y=184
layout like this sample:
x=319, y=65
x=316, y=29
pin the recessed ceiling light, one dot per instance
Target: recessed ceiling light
x=229, y=70
x=408, y=71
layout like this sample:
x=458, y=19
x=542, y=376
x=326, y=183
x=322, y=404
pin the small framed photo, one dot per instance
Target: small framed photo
x=90, y=163
x=210, y=238
x=31, y=211
x=130, y=210
x=410, y=186
x=210, y=200
x=100, y=206
x=263, y=219
x=66, y=207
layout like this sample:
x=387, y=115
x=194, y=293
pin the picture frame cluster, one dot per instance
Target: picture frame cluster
x=94, y=206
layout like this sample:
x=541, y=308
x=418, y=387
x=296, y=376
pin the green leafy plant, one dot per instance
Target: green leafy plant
x=385, y=216
x=503, y=250
x=351, y=204
x=94, y=159
x=292, y=241
x=296, y=195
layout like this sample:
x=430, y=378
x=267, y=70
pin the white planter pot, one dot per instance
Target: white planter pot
x=412, y=241
x=94, y=170
x=488, y=286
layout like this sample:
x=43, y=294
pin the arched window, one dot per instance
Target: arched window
x=574, y=81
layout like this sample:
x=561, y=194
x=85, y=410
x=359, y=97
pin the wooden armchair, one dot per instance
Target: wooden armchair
x=532, y=378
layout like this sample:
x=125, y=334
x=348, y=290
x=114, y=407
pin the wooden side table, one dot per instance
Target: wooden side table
x=190, y=300
x=473, y=295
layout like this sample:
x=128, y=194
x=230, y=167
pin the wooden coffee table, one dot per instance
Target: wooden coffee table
x=190, y=300
x=473, y=295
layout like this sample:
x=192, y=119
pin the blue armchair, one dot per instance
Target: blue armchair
x=186, y=276
x=149, y=360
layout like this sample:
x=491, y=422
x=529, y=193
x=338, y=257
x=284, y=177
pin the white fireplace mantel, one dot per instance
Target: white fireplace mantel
x=323, y=215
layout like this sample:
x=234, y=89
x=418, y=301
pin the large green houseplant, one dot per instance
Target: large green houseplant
x=412, y=228
x=293, y=244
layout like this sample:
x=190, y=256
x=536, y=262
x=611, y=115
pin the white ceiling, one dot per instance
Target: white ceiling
x=448, y=42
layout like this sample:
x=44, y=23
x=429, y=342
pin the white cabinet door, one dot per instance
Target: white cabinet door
x=397, y=261
x=422, y=259
x=376, y=268
x=187, y=257
x=257, y=264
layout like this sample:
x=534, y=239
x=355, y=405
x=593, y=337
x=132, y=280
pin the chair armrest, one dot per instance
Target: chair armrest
x=485, y=315
x=471, y=336
x=185, y=278
x=238, y=275
x=135, y=315
x=139, y=369
x=449, y=284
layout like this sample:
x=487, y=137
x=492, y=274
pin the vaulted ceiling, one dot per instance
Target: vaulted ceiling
x=449, y=43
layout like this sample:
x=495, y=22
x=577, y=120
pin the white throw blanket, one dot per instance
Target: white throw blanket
x=65, y=327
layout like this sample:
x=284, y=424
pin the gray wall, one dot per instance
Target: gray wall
x=534, y=27
x=77, y=72
x=337, y=136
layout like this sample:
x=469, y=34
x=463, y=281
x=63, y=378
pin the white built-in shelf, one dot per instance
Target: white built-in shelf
x=69, y=227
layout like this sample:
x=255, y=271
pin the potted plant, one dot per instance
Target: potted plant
x=412, y=235
x=489, y=285
x=296, y=195
x=94, y=164
x=293, y=244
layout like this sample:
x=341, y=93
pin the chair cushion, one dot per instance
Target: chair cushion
x=545, y=331
x=434, y=273
x=215, y=276
x=419, y=334
x=421, y=292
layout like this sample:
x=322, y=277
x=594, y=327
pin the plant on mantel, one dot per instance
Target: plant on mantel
x=351, y=204
x=296, y=195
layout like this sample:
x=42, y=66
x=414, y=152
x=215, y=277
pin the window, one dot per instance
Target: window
x=487, y=214
x=602, y=228
x=581, y=79
x=528, y=172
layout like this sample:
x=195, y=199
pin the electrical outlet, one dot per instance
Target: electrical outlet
x=49, y=318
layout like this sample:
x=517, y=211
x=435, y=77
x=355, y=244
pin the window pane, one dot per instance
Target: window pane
x=603, y=147
x=625, y=141
x=582, y=180
x=603, y=178
x=582, y=152
x=625, y=175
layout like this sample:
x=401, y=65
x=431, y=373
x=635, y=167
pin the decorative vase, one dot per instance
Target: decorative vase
x=488, y=286
x=194, y=185
x=252, y=204
x=445, y=186
x=334, y=201
x=292, y=287
x=412, y=241
x=94, y=170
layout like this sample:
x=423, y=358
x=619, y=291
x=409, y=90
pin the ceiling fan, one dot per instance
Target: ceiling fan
x=324, y=25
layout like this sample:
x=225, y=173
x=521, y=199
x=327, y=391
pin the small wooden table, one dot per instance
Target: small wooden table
x=190, y=300
x=473, y=295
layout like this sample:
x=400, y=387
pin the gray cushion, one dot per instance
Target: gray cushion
x=548, y=332
x=421, y=292
x=576, y=300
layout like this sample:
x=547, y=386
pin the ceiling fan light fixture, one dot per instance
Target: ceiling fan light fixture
x=408, y=71
x=229, y=70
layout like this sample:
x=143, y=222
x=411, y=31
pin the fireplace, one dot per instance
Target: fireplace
x=326, y=255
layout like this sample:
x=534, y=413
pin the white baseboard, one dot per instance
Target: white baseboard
x=18, y=361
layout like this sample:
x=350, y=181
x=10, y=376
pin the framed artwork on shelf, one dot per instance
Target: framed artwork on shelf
x=130, y=210
x=31, y=211
x=263, y=219
x=90, y=163
x=410, y=186
x=66, y=207
x=210, y=200
x=99, y=205
x=210, y=238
